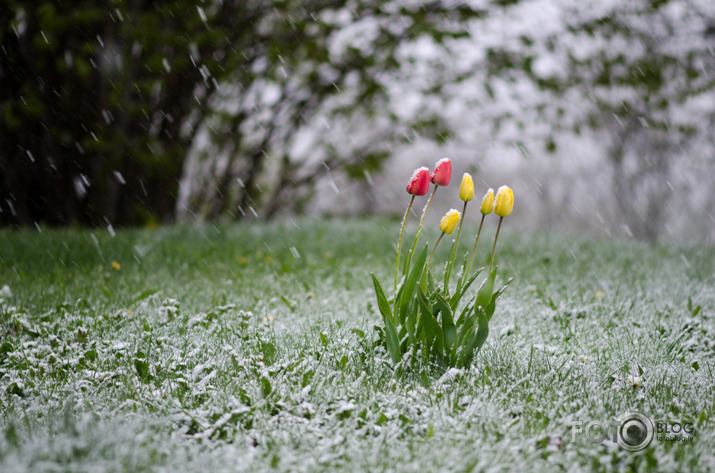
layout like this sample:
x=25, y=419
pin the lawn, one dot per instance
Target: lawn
x=252, y=347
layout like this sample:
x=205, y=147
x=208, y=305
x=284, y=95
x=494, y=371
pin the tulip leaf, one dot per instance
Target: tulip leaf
x=463, y=315
x=475, y=340
x=392, y=342
x=468, y=323
x=484, y=296
x=425, y=280
x=450, y=263
x=408, y=293
x=482, y=330
x=411, y=252
x=457, y=297
x=462, y=277
x=402, y=335
x=431, y=284
x=381, y=299
x=492, y=304
x=449, y=331
x=411, y=321
x=433, y=333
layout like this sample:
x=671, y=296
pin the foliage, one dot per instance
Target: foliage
x=636, y=74
x=100, y=105
x=427, y=320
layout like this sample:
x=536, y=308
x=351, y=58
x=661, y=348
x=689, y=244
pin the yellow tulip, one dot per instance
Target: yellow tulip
x=466, y=188
x=505, y=201
x=487, y=202
x=449, y=221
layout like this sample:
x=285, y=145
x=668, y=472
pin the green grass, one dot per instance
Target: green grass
x=251, y=348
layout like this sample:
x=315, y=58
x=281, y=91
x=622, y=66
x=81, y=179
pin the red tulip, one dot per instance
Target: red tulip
x=442, y=172
x=419, y=182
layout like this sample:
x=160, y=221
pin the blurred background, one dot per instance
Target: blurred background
x=600, y=115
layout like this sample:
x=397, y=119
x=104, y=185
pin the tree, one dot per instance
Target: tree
x=101, y=103
x=637, y=74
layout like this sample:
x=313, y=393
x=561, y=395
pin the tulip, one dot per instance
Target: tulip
x=487, y=202
x=466, y=188
x=418, y=185
x=505, y=201
x=448, y=224
x=466, y=193
x=419, y=182
x=442, y=172
x=440, y=177
x=503, y=208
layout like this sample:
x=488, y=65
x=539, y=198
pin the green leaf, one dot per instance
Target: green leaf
x=492, y=304
x=448, y=269
x=290, y=304
x=144, y=294
x=91, y=355
x=464, y=315
x=475, y=340
x=431, y=284
x=482, y=330
x=457, y=297
x=391, y=340
x=270, y=352
x=484, y=296
x=6, y=347
x=468, y=322
x=409, y=293
x=433, y=333
x=463, y=268
x=411, y=322
x=307, y=378
x=381, y=299
x=266, y=387
x=449, y=331
x=142, y=368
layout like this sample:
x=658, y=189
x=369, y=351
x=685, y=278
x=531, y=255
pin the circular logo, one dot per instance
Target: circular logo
x=635, y=431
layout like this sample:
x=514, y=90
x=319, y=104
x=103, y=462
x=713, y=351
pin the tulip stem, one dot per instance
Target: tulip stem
x=402, y=232
x=474, y=251
x=408, y=258
x=432, y=255
x=453, y=256
x=494, y=249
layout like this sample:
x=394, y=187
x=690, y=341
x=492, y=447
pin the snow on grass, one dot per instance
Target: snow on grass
x=215, y=348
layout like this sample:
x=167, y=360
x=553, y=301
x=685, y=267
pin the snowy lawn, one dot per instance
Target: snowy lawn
x=251, y=348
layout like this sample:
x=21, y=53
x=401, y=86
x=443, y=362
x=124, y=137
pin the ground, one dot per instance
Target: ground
x=251, y=347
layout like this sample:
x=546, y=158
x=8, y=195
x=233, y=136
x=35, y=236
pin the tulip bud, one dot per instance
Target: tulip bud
x=419, y=182
x=505, y=201
x=466, y=188
x=449, y=221
x=442, y=172
x=487, y=202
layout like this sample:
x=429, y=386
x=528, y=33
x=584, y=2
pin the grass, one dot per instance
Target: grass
x=251, y=348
